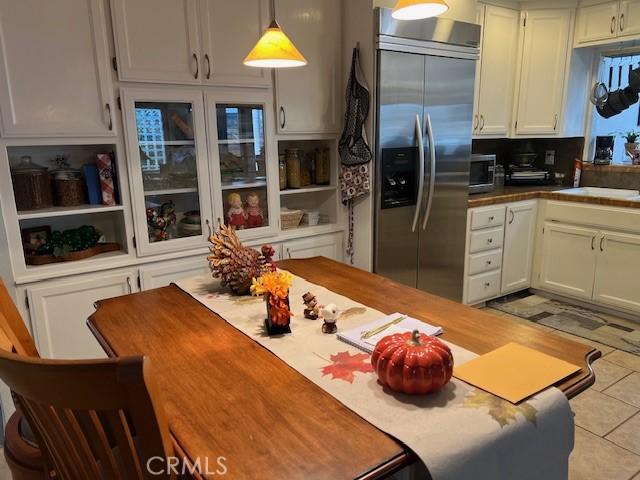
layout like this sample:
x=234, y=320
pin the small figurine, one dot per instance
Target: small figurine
x=253, y=211
x=235, y=214
x=160, y=221
x=313, y=309
x=330, y=316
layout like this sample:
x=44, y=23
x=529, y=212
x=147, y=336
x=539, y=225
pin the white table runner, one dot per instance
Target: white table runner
x=459, y=433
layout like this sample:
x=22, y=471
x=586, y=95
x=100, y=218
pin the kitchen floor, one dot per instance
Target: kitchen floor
x=607, y=415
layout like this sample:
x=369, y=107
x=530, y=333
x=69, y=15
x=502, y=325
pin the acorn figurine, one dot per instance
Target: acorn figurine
x=330, y=316
x=313, y=309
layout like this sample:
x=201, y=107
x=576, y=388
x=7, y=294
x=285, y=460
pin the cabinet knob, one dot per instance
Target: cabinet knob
x=492, y=218
x=488, y=262
x=481, y=122
x=613, y=24
x=487, y=284
x=283, y=117
x=195, y=59
x=490, y=240
x=208, y=62
x=621, y=24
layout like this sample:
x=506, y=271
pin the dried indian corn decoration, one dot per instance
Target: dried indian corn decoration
x=235, y=264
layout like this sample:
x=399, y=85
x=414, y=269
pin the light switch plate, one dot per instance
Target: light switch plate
x=550, y=157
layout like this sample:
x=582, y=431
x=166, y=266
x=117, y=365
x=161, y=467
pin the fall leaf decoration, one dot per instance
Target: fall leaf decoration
x=500, y=410
x=344, y=365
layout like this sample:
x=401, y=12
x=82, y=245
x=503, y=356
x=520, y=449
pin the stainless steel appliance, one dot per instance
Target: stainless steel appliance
x=481, y=173
x=424, y=96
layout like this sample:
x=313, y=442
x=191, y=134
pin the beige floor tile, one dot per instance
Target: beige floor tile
x=605, y=349
x=625, y=359
x=627, y=389
x=607, y=374
x=534, y=300
x=519, y=320
x=627, y=435
x=596, y=458
x=599, y=413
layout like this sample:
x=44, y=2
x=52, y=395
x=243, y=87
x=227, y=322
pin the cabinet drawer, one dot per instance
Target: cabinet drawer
x=484, y=262
x=483, y=287
x=486, y=240
x=484, y=218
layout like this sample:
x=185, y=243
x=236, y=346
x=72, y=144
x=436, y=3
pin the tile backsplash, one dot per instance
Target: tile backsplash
x=611, y=176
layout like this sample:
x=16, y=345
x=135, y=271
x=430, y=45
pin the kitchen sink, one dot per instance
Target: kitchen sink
x=604, y=192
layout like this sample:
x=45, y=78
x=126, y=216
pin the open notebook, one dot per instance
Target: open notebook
x=365, y=337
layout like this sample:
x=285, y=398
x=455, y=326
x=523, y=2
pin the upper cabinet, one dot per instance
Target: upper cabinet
x=229, y=32
x=496, y=70
x=603, y=22
x=188, y=41
x=308, y=99
x=543, y=67
x=55, y=79
x=157, y=40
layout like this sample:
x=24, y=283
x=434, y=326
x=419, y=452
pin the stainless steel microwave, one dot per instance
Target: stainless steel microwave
x=481, y=173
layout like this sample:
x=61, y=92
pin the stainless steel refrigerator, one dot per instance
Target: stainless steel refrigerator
x=424, y=95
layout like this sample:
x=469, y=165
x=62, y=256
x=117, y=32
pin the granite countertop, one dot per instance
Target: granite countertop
x=550, y=192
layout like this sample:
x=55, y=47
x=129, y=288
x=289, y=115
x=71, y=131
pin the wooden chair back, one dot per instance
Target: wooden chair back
x=14, y=327
x=97, y=419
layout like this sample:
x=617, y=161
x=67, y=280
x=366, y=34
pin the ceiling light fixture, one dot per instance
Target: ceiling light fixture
x=274, y=49
x=418, y=9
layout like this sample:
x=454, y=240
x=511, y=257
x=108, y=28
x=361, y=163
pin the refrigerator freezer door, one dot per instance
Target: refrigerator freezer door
x=449, y=104
x=400, y=100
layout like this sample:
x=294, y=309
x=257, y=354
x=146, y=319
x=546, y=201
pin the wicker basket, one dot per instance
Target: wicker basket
x=290, y=219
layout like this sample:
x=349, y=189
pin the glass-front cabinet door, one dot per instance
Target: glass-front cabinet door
x=168, y=165
x=244, y=166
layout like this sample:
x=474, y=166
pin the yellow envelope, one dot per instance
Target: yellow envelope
x=514, y=372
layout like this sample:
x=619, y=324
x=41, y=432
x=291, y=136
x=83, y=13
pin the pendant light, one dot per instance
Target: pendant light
x=418, y=9
x=274, y=49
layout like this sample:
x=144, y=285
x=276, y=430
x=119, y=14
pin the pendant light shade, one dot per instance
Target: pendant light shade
x=274, y=50
x=418, y=9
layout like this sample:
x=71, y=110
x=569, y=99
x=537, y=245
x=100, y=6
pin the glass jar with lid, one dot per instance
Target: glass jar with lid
x=68, y=189
x=31, y=185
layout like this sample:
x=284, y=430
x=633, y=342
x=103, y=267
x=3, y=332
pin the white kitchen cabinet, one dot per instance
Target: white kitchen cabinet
x=329, y=246
x=496, y=70
x=543, y=60
x=229, y=32
x=55, y=77
x=519, y=236
x=168, y=168
x=165, y=273
x=597, y=22
x=60, y=308
x=157, y=40
x=308, y=99
x=616, y=281
x=568, y=260
x=629, y=19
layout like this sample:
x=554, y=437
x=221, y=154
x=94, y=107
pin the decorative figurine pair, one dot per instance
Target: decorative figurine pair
x=329, y=313
x=241, y=217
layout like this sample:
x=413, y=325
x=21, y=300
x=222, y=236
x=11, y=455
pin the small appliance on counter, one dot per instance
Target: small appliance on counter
x=482, y=173
x=604, y=150
x=521, y=170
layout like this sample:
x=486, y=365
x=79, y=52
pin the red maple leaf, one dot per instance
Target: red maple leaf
x=344, y=364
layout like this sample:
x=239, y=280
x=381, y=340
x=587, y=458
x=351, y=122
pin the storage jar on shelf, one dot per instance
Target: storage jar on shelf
x=31, y=185
x=294, y=165
x=68, y=188
x=282, y=170
x=322, y=167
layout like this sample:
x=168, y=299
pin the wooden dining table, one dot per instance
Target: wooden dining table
x=227, y=396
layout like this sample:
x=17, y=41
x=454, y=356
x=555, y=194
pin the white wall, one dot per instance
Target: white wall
x=463, y=10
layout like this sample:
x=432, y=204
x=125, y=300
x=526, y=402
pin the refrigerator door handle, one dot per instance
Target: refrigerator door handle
x=432, y=176
x=416, y=215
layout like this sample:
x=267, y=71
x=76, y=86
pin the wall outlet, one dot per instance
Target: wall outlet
x=550, y=157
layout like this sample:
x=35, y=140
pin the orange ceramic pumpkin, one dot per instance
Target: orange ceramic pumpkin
x=412, y=363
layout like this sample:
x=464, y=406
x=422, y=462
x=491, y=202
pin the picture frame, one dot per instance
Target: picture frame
x=33, y=237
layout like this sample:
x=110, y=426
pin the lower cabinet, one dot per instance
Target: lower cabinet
x=329, y=246
x=164, y=273
x=568, y=259
x=519, y=235
x=59, y=311
x=617, y=270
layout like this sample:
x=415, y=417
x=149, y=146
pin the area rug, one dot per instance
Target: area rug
x=580, y=321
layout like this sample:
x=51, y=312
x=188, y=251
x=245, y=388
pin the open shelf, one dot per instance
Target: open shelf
x=65, y=211
x=238, y=186
x=309, y=189
x=169, y=191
